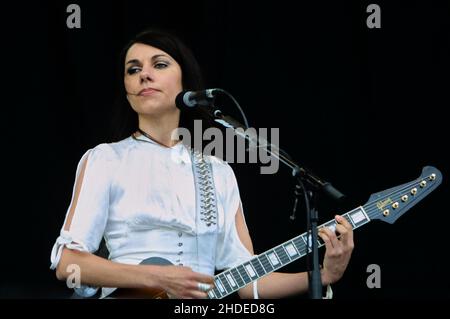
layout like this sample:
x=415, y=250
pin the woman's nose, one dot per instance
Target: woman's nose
x=145, y=76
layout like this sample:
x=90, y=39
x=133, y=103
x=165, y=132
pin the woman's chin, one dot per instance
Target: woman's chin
x=155, y=110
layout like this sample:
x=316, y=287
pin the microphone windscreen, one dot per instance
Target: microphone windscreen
x=179, y=101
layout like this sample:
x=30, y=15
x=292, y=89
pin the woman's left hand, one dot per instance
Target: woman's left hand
x=338, y=250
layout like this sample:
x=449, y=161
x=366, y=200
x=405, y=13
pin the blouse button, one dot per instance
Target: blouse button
x=180, y=244
x=180, y=234
x=180, y=253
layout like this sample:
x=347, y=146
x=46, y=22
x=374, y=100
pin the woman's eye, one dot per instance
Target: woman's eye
x=133, y=70
x=161, y=65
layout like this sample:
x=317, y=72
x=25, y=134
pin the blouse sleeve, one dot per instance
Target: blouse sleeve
x=90, y=212
x=230, y=250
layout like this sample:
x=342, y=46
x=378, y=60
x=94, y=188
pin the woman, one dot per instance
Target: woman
x=141, y=195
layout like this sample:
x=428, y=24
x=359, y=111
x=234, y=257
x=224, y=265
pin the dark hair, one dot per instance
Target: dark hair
x=125, y=120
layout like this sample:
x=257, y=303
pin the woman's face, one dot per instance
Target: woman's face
x=152, y=80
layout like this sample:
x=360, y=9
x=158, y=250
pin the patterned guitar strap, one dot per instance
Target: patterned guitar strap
x=206, y=203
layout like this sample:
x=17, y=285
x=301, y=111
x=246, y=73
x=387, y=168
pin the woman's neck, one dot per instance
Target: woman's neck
x=161, y=128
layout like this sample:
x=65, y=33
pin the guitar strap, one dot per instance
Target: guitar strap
x=206, y=202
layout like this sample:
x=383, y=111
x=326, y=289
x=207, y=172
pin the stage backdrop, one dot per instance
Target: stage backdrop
x=361, y=107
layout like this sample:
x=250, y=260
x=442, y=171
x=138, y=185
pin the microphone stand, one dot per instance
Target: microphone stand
x=308, y=184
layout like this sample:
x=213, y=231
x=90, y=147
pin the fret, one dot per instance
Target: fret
x=225, y=283
x=265, y=262
x=308, y=243
x=347, y=217
x=288, y=257
x=273, y=259
x=320, y=241
x=244, y=274
x=291, y=249
x=363, y=210
x=237, y=277
x=219, y=286
x=231, y=280
x=258, y=267
x=358, y=216
x=250, y=270
x=300, y=245
x=282, y=255
x=212, y=294
x=330, y=225
x=216, y=293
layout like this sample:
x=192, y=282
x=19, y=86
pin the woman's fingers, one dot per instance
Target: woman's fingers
x=346, y=231
x=182, y=282
x=331, y=236
x=201, y=284
x=326, y=239
x=204, y=279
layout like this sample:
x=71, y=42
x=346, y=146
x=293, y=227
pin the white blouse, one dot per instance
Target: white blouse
x=140, y=196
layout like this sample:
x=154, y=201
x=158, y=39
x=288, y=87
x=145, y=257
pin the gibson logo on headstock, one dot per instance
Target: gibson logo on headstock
x=383, y=203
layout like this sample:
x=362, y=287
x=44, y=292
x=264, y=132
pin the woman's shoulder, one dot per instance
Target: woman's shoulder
x=111, y=151
x=220, y=166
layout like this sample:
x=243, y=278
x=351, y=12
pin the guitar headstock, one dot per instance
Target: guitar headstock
x=392, y=203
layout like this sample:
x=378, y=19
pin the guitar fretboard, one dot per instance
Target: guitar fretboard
x=273, y=259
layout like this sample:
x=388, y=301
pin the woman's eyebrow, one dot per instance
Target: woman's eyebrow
x=159, y=55
x=136, y=61
x=133, y=61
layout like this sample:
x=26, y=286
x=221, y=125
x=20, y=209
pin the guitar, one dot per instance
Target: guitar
x=386, y=206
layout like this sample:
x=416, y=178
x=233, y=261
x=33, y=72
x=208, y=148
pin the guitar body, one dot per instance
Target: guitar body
x=143, y=293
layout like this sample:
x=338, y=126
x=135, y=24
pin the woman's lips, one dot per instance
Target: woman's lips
x=147, y=92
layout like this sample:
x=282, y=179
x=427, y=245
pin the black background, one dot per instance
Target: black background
x=363, y=108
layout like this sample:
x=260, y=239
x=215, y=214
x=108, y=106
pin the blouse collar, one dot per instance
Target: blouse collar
x=179, y=153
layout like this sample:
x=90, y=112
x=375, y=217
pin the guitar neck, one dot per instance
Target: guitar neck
x=273, y=259
x=387, y=206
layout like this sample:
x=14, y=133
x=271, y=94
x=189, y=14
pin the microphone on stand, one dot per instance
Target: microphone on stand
x=192, y=99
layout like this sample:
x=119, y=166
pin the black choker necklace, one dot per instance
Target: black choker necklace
x=150, y=137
